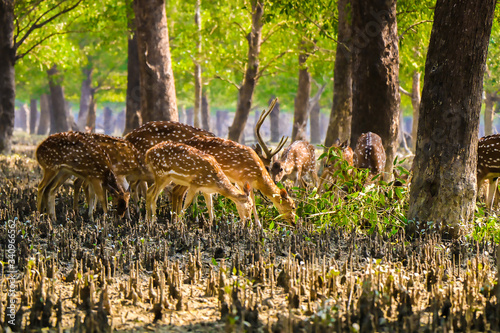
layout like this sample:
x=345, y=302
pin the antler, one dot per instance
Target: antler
x=268, y=154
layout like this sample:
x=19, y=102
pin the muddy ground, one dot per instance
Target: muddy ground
x=190, y=276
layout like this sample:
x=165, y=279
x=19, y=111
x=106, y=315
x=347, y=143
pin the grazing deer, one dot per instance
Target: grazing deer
x=242, y=165
x=265, y=154
x=346, y=154
x=125, y=163
x=154, y=132
x=72, y=153
x=296, y=161
x=150, y=134
x=198, y=171
x=488, y=165
x=370, y=153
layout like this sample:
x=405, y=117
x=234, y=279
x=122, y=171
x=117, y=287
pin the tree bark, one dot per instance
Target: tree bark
x=85, y=97
x=158, y=100
x=133, y=99
x=44, y=123
x=275, y=120
x=59, y=119
x=300, y=114
x=339, y=126
x=415, y=102
x=376, y=64
x=7, y=75
x=21, y=118
x=197, y=66
x=444, y=182
x=33, y=115
x=489, y=113
x=245, y=93
x=314, y=123
x=205, y=112
x=92, y=114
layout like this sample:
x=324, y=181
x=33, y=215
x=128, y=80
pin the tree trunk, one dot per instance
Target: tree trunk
x=314, y=123
x=489, y=114
x=33, y=115
x=59, y=119
x=44, y=123
x=158, y=100
x=300, y=114
x=109, y=124
x=376, y=64
x=339, y=126
x=91, y=117
x=85, y=97
x=133, y=103
x=415, y=102
x=197, y=66
x=444, y=182
x=245, y=93
x=205, y=112
x=182, y=114
x=189, y=116
x=21, y=118
x=275, y=120
x=7, y=75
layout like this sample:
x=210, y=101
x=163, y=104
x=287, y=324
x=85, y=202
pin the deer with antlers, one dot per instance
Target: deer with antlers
x=71, y=153
x=197, y=171
x=296, y=161
x=242, y=165
x=266, y=154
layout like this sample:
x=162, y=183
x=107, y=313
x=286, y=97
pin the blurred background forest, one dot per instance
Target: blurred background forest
x=89, y=46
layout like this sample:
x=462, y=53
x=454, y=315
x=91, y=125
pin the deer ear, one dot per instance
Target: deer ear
x=283, y=193
x=257, y=149
x=247, y=188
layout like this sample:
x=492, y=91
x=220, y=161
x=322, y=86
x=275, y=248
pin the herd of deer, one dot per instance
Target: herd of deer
x=163, y=152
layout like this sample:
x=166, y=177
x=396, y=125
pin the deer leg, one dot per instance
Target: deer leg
x=255, y=214
x=491, y=193
x=210, y=206
x=101, y=196
x=57, y=181
x=41, y=199
x=77, y=185
x=152, y=196
x=178, y=193
x=189, y=198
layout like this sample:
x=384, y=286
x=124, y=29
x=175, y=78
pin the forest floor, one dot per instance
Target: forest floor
x=195, y=277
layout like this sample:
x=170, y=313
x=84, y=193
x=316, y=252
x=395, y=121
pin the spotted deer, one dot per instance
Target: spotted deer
x=370, y=153
x=242, y=165
x=125, y=163
x=488, y=165
x=71, y=153
x=331, y=167
x=154, y=132
x=266, y=154
x=197, y=171
x=150, y=134
x=296, y=161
